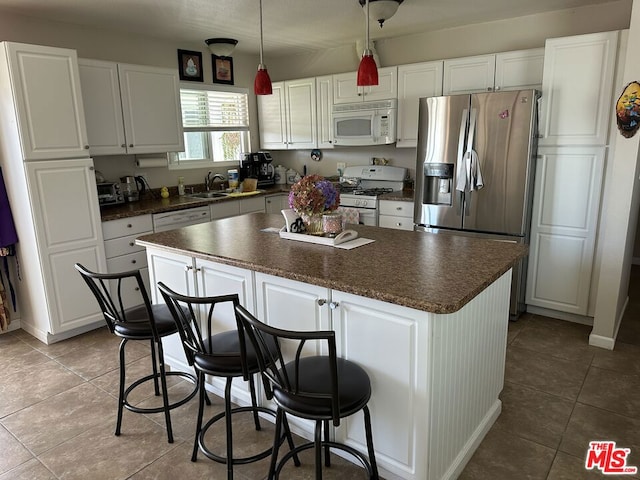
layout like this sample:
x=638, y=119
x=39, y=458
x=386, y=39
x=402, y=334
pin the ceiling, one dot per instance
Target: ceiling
x=290, y=26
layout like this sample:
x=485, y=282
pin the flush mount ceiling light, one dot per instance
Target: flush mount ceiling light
x=262, y=82
x=221, y=47
x=381, y=10
x=367, y=70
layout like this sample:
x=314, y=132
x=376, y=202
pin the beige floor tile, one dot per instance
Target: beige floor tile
x=544, y=373
x=63, y=347
x=34, y=384
x=62, y=417
x=31, y=470
x=494, y=459
x=567, y=467
x=534, y=415
x=13, y=452
x=613, y=391
x=99, y=455
x=625, y=358
x=589, y=424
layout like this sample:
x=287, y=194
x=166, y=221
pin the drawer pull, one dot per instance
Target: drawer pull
x=398, y=208
x=129, y=225
x=134, y=261
x=137, y=289
x=321, y=301
x=333, y=305
x=187, y=268
x=399, y=224
x=131, y=244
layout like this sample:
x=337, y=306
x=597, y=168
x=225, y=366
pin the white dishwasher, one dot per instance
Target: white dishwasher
x=180, y=218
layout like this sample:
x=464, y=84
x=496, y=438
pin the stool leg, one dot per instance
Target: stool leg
x=296, y=460
x=327, y=450
x=254, y=402
x=201, y=397
x=372, y=454
x=228, y=420
x=165, y=393
x=155, y=367
x=121, y=390
x=276, y=443
x=318, y=449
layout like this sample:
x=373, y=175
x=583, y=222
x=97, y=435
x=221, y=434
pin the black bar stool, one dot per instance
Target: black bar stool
x=145, y=322
x=226, y=354
x=321, y=388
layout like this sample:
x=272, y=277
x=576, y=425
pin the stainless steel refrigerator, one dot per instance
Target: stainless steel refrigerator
x=475, y=169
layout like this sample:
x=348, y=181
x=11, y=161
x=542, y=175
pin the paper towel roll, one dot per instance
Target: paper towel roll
x=151, y=162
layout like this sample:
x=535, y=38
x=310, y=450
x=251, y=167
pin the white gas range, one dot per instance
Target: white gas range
x=361, y=186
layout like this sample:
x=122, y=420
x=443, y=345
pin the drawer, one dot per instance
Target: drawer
x=124, y=263
x=122, y=245
x=131, y=296
x=396, y=208
x=126, y=226
x=392, y=221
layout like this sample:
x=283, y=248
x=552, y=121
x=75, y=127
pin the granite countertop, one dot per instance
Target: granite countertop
x=401, y=196
x=430, y=272
x=150, y=205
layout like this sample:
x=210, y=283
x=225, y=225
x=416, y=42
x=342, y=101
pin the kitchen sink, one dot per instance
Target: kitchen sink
x=209, y=195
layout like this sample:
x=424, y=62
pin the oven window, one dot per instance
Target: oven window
x=353, y=127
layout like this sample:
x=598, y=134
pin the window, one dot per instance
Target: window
x=216, y=126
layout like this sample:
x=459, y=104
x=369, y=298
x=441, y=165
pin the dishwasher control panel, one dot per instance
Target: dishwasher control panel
x=180, y=218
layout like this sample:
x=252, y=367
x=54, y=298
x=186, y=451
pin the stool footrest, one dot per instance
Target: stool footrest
x=176, y=404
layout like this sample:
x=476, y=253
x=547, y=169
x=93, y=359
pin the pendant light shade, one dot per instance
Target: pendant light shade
x=262, y=82
x=367, y=70
x=382, y=10
x=221, y=47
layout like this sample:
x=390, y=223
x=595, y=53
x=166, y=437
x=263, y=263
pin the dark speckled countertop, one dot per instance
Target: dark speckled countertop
x=425, y=271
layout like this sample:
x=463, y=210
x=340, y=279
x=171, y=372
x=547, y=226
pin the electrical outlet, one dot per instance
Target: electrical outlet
x=341, y=166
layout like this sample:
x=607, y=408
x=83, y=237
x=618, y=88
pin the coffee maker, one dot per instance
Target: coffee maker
x=258, y=165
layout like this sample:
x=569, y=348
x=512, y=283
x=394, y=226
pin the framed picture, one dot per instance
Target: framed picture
x=190, y=65
x=222, y=69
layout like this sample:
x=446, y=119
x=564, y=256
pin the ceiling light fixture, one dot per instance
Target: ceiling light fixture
x=367, y=70
x=262, y=82
x=382, y=10
x=221, y=47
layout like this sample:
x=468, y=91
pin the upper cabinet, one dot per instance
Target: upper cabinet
x=415, y=81
x=577, y=89
x=45, y=85
x=515, y=70
x=346, y=90
x=287, y=118
x=324, y=106
x=131, y=109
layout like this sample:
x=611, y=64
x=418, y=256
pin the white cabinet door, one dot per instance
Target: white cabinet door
x=519, y=70
x=272, y=119
x=252, y=205
x=103, y=110
x=48, y=101
x=415, y=81
x=469, y=74
x=276, y=203
x=292, y=305
x=564, y=226
x=577, y=89
x=365, y=330
x=151, y=109
x=346, y=90
x=324, y=107
x=224, y=209
x=301, y=113
x=64, y=204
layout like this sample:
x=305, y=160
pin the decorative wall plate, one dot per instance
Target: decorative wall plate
x=316, y=155
x=628, y=110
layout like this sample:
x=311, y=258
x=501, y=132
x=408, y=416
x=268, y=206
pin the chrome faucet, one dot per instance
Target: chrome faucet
x=209, y=179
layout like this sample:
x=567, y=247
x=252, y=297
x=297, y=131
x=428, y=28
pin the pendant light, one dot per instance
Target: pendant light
x=262, y=82
x=367, y=71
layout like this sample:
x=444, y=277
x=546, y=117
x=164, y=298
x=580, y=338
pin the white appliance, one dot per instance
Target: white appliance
x=361, y=186
x=365, y=123
x=181, y=218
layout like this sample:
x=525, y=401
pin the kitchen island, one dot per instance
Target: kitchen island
x=426, y=315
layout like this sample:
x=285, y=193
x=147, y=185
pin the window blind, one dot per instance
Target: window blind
x=210, y=110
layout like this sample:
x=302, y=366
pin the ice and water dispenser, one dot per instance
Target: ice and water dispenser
x=438, y=185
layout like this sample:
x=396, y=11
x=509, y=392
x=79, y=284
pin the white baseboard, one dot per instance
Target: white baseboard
x=609, y=342
x=569, y=317
x=48, y=338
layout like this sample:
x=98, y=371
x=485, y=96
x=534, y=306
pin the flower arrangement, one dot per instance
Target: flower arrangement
x=313, y=195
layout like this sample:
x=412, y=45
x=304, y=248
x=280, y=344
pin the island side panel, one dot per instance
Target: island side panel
x=466, y=373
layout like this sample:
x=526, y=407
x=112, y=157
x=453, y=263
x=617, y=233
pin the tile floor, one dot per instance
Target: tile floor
x=58, y=405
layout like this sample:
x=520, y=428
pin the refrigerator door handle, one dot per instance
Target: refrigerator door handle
x=461, y=176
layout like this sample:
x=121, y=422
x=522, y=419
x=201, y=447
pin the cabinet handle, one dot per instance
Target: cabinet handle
x=137, y=289
x=497, y=88
x=330, y=141
x=333, y=305
x=124, y=145
x=321, y=301
x=86, y=147
x=91, y=168
x=198, y=269
x=489, y=89
x=187, y=268
x=131, y=244
x=134, y=261
x=399, y=224
x=398, y=208
x=129, y=225
x=131, y=145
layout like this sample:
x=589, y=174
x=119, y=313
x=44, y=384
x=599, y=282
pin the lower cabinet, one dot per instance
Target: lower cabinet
x=232, y=208
x=277, y=202
x=195, y=277
x=564, y=226
x=396, y=214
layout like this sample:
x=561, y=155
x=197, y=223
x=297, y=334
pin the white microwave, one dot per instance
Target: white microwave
x=366, y=123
